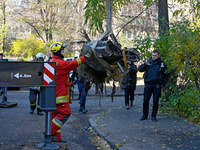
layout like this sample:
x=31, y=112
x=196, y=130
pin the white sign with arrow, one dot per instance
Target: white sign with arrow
x=18, y=75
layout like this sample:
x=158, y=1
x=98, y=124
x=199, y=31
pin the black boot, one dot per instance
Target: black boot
x=32, y=108
x=81, y=107
x=143, y=118
x=131, y=104
x=153, y=118
x=84, y=110
x=127, y=106
x=39, y=112
x=31, y=111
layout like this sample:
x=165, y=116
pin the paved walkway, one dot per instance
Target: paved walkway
x=121, y=128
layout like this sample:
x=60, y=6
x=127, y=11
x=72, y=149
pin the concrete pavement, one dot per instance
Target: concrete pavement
x=121, y=128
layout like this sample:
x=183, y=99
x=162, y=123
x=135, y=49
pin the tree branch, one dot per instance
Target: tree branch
x=85, y=35
x=36, y=31
x=24, y=19
x=78, y=42
x=133, y=19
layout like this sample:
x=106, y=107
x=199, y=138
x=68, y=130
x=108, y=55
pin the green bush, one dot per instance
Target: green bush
x=181, y=52
x=184, y=103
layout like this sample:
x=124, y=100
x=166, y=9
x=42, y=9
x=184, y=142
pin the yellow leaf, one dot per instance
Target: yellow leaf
x=117, y=145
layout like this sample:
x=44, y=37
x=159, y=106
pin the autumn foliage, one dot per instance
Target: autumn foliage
x=27, y=47
x=181, y=52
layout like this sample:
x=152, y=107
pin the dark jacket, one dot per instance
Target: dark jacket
x=79, y=79
x=155, y=72
x=130, y=79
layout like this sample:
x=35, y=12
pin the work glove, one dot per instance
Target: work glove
x=89, y=53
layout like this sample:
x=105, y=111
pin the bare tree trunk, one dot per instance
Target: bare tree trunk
x=163, y=27
x=163, y=17
x=4, y=23
x=49, y=37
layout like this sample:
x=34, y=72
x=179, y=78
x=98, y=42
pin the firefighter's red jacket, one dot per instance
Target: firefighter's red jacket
x=62, y=77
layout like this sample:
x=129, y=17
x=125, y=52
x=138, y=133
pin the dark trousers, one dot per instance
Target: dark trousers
x=34, y=95
x=129, y=94
x=148, y=91
x=83, y=93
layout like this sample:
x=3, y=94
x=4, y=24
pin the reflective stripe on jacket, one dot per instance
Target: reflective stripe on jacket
x=62, y=77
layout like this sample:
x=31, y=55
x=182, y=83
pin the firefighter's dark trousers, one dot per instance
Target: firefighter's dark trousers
x=34, y=94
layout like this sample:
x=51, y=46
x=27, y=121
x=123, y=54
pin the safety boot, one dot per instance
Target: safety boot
x=54, y=138
x=62, y=141
x=31, y=111
x=39, y=112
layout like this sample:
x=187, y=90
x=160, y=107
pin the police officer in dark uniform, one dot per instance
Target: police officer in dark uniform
x=155, y=78
x=129, y=84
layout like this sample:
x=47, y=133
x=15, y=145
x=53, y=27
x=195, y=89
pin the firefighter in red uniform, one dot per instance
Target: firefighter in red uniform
x=63, y=97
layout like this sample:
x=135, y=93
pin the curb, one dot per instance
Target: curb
x=108, y=95
x=108, y=139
